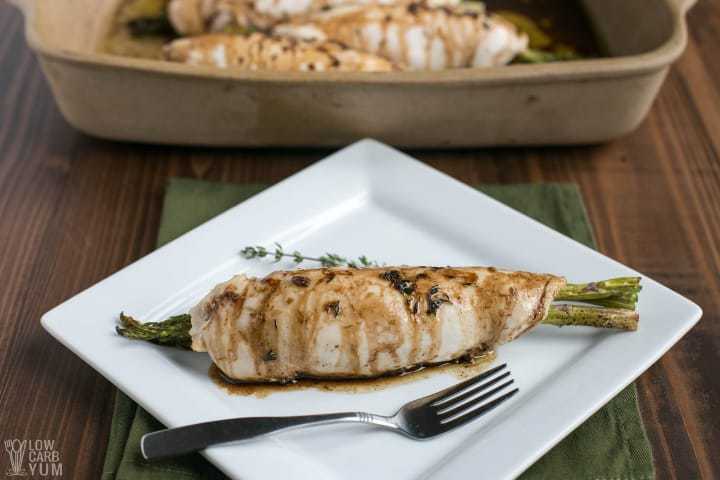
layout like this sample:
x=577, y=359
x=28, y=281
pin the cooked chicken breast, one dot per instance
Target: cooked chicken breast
x=349, y=323
x=193, y=17
x=260, y=52
x=419, y=35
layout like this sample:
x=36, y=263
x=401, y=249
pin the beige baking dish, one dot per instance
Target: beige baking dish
x=564, y=103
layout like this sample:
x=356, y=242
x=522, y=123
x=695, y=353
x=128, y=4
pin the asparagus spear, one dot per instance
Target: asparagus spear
x=599, y=317
x=173, y=332
x=613, y=293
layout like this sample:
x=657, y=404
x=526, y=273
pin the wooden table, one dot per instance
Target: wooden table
x=74, y=210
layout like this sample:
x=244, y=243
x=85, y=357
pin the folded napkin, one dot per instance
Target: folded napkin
x=610, y=445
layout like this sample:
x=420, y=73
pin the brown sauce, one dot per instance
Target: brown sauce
x=461, y=370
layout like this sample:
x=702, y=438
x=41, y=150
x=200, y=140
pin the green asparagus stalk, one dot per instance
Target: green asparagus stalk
x=173, y=332
x=613, y=293
x=599, y=317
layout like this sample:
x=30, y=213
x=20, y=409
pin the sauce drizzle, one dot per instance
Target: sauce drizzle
x=460, y=369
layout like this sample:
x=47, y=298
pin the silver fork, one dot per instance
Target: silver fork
x=423, y=418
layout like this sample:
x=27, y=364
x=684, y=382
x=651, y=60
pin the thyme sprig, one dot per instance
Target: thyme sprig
x=327, y=260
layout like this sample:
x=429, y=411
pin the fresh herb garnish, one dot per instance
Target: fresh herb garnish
x=327, y=260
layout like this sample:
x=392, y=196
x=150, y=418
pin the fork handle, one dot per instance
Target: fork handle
x=192, y=438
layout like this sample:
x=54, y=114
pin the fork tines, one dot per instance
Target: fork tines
x=468, y=400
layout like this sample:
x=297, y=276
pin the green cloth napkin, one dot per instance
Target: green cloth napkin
x=610, y=445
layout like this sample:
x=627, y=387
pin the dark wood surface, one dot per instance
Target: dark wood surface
x=74, y=210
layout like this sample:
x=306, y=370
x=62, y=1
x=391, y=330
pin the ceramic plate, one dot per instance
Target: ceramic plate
x=373, y=200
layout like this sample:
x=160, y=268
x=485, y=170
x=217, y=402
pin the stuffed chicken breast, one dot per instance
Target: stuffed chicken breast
x=419, y=35
x=330, y=323
x=260, y=52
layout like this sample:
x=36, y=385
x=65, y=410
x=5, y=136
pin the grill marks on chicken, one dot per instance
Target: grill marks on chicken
x=419, y=34
x=260, y=52
x=332, y=323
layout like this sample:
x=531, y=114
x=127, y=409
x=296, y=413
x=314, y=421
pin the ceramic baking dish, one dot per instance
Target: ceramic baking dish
x=578, y=102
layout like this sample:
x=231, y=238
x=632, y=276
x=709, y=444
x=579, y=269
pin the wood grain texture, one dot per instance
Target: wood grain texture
x=74, y=210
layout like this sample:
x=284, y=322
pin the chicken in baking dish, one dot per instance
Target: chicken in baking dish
x=418, y=35
x=260, y=52
x=333, y=35
x=359, y=323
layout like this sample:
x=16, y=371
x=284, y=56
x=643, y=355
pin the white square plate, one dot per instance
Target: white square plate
x=373, y=200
